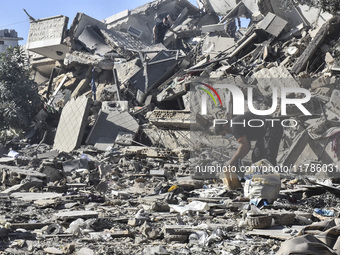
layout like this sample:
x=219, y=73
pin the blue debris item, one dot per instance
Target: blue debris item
x=84, y=156
x=259, y=202
x=325, y=212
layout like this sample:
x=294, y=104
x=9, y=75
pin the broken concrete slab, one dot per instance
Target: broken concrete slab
x=140, y=25
x=46, y=37
x=7, y=159
x=160, y=172
x=174, y=230
x=121, y=233
x=122, y=42
x=93, y=42
x=297, y=14
x=213, y=28
x=126, y=68
x=311, y=48
x=171, y=139
x=154, y=72
x=272, y=24
x=275, y=232
x=173, y=91
x=214, y=45
x=30, y=196
x=72, y=123
x=48, y=154
x=77, y=57
x=176, y=119
x=28, y=226
x=112, y=121
x=82, y=20
x=70, y=215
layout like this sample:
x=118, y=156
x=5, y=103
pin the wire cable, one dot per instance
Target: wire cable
x=14, y=23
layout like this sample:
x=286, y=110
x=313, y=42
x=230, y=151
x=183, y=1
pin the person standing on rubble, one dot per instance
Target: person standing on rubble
x=160, y=29
x=267, y=137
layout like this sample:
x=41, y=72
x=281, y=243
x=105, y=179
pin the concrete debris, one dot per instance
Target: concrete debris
x=112, y=125
x=126, y=158
x=46, y=37
x=272, y=24
x=72, y=123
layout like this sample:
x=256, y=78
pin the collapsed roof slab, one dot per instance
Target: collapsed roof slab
x=93, y=42
x=223, y=7
x=122, y=42
x=140, y=21
x=46, y=37
x=295, y=15
x=82, y=20
x=77, y=57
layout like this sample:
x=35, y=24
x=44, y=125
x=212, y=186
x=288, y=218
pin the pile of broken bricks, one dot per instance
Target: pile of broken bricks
x=108, y=167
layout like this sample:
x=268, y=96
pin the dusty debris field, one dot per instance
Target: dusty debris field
x=109, y=165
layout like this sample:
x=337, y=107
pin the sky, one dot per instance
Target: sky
x=12, y=15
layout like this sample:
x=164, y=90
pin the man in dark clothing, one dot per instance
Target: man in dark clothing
x=160, y=30
x=250, y=127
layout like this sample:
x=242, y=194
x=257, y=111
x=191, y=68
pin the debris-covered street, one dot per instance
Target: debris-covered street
x=124, y=156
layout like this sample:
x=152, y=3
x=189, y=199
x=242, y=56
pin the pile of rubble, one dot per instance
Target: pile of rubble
x=109, y=167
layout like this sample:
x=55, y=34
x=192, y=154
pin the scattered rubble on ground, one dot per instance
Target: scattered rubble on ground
x=108, y=167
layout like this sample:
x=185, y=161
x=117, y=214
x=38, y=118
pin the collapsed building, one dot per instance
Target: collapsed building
x=110, y=166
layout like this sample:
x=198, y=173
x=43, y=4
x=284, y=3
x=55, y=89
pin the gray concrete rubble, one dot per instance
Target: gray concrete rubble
x=46, y=37
x=123, y=158
x=71, y=126
x=113, y=121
